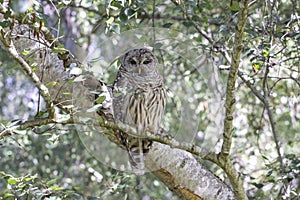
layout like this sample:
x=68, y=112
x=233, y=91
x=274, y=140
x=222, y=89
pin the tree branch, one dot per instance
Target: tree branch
x=10, y=47
x=235, y=62
x=234, y=177
x=23, y=126
x=270, y=114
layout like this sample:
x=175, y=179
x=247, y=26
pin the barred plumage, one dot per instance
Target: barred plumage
x=139, y=100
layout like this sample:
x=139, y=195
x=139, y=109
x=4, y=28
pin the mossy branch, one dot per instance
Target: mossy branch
x=235, y=179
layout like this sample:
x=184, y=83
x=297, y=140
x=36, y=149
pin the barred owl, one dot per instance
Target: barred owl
x=139, y=100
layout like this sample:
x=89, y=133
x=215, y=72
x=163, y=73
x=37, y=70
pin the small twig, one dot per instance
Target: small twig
x=196, y=26
x=58, y=16
x=28, y=124
x=252, y=88
x=153, y=23
x=270, y=114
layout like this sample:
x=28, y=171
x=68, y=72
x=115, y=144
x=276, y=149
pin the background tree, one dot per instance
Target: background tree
x=42, y=154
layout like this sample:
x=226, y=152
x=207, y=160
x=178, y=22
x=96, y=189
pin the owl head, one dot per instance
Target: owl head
x=139, y=62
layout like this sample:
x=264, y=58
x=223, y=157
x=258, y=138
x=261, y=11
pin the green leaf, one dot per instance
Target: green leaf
x=256, y=66
x=33, y=68
x=195, y=18
x=59, y=50
x=51, y=182
x=167, y=25
x=5, y=24
x=94, y=108
x=54, y=138
x=123, y=17
x=110, y=20
x=66, y=93
x=158, y=45
x=198, y=39
x=29, y=179
x=129, y=12
x=265, y=157
x=258, y=185
x=291, y=156
x=6, y=195
x=269, y=173
x=7, y=14
x=91, y=198
x=116, y=28
x=52, y=83
x=26, y=51
x=100, y=120
x=96, y=92
x=12, y=181
x=235, y=6
x=265, y=53
x=42, y=114
x=56, y=188
x=191, y=3
x=100, y=99
x=47, y=134
x=187, y=23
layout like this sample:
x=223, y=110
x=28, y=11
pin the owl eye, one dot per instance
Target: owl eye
x=132, y=62
x=147, y=62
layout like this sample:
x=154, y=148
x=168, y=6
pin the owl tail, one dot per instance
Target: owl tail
x=137, y=149
x=136, y=157
x=137, y=152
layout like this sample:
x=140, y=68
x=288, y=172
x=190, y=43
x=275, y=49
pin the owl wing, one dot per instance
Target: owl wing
x=118, y=95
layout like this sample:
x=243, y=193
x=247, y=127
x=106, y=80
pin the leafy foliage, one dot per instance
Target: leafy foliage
x=51, y=161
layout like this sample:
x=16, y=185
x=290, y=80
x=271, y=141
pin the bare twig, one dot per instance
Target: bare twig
x=28, y=124
x=252, y=88
x=271, y=115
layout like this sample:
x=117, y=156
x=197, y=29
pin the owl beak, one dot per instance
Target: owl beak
x=139, y=69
